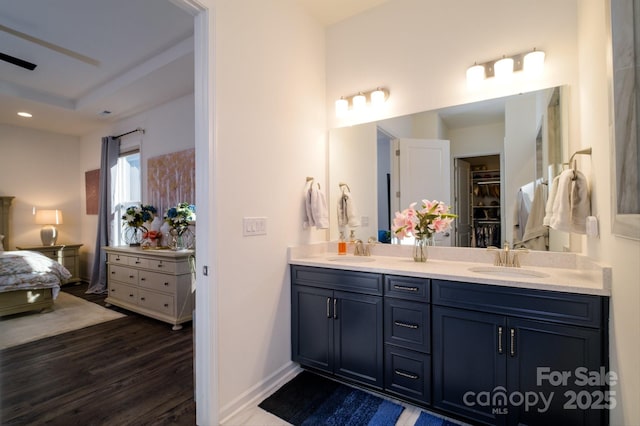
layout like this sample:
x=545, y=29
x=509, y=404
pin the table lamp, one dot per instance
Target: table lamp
x=49, y=218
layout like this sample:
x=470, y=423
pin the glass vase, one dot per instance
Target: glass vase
x=421, y=248
x=133, y=235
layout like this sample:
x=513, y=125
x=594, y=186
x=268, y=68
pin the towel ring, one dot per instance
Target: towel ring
x=342, y=185
x=311, y=179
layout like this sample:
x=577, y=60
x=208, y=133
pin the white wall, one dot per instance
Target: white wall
x=168, y=128
x=270, y=134
x=40, y=169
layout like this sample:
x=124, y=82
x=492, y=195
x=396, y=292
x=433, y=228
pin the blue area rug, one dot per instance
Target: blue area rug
x=309, y=400
x=428, y=419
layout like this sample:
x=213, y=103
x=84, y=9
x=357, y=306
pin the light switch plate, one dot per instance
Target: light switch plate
x=254, y=226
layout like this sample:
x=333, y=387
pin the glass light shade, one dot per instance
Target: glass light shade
x=342, y=107
x=475, y=75
x=534, y=63
x=49, y=217
x=359, y=101
x=377, y=98
x=503, y=69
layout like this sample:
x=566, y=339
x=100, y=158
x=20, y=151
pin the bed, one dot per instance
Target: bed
x=29, y=280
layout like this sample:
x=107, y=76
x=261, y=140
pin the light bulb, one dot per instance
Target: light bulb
x=377, y=97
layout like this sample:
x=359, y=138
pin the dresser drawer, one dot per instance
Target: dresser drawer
x=158, y=281
x=409, y=288
x=408, y=373
x=123, y=274
x=123, y=292
x=162, y=266
x=157, y=302
x=139, y=262
x=115, y=258
x=407, y=324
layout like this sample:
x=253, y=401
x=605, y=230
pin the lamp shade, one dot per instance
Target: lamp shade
x=49, y=217
x=377, y=97
x=534, y=63
x=503, y=69
x=359, y=101
x=342, y=107
x=475, y=75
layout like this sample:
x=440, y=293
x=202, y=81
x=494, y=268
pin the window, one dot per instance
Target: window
x=126, y=191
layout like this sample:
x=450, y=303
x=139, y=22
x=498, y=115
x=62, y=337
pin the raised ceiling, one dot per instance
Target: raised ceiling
x=143, y=50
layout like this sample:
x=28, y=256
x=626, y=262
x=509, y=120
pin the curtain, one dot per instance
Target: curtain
x=109, y=159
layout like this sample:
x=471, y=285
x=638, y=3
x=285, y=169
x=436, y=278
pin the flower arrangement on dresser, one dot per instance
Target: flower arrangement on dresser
x=134, y=220
x=179, y=218
x=432, y=217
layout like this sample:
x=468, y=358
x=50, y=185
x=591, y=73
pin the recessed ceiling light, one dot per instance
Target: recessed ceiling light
x=25, y=114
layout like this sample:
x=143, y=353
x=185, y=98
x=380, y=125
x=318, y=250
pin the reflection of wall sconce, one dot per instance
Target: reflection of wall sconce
x=49, y=218
x=531, y=63
x=358, y=102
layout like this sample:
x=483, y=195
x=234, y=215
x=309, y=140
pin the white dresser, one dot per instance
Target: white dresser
x=155, y=283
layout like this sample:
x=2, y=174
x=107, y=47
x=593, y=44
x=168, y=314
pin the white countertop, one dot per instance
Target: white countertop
x=566, y=272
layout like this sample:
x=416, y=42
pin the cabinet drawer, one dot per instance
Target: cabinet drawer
x=361, y=282
x=408, y=373
x=139, y=262
x=156, y=302
x=123, y=292
x=162, y=266
x=407, y=324
x=118, y=259
x=123, y=274
x=566, y=308
x=158, y=281
x=407, y=288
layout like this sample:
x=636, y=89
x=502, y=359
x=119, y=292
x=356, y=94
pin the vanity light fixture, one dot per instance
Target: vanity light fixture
x=532, y=63
x=358, y=102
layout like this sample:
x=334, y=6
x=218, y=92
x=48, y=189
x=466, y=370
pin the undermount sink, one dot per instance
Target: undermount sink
x=351, y=259
x=502, y=271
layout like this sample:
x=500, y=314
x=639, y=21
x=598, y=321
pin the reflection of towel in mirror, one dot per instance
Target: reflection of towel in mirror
x=347, y=214
x=571, y=204
x=552, y=196
x=523, y=205
x=536, y=234
x=315, y=207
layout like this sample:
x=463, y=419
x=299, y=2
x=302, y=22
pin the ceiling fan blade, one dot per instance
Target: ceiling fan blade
x=17, y=61
x=51, y=46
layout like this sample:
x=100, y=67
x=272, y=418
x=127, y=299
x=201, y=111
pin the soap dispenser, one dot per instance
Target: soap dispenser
x=342, y=244
x=352, y=236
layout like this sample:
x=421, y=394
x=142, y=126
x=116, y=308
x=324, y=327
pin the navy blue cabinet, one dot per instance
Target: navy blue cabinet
x=337, y=331
x=502, y=368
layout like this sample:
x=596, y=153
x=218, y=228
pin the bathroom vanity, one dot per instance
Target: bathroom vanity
x=460, y=337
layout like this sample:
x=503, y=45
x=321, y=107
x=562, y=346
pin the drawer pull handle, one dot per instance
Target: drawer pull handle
x=404, y=287
x=130, y=276
x=142, y=298
x=166, y=305
x=166, y=284
x=407, y=375
x=137, y=262
x=143, y=279
x=500, y=339
x=406, y=325
x=131, y=295
x=335, y=309
x=328, y=307
x=159, y=265
x=113, y=272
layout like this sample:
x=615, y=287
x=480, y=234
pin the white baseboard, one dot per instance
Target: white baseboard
x=259, y=391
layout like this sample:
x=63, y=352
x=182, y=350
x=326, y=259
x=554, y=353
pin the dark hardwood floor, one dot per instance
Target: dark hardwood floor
x=129, y=371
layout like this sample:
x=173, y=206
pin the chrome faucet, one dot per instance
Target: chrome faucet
x=371, y=242
x=358, y=248
x=507, y=257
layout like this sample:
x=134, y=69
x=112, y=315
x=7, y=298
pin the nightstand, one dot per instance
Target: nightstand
x=68, y=255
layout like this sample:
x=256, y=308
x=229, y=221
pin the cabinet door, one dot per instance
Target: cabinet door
x=557, y=350
x=312, y=327
x=468, y=359
x=358, y=337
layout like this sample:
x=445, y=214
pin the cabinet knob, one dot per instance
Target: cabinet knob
x=131, y=295
x=143, y=279
x=113, y=272
x=130, y=276
x=166, y=284
x=166, y=305
x=142, y=298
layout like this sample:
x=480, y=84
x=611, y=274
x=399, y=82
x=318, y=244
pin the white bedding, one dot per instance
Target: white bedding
x=27, y=270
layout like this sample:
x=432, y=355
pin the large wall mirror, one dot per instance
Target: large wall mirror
x=625, y=21
x=496, y=149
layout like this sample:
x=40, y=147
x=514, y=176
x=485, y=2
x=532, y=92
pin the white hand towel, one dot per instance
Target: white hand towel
x=580, y=203
x=347, y=214
x=552, y=196
x=307, y=219
x=560, y=219
x=319, y=208
x=535, y=234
